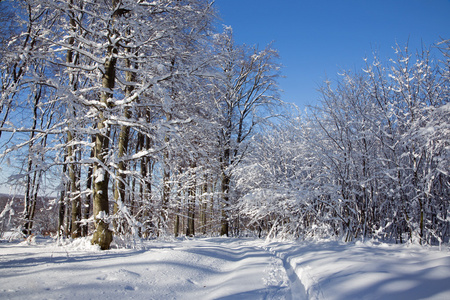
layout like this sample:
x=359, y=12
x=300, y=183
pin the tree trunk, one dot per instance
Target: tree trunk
x=74, y=192
x=190, y=230
x=103, y=235
x=145, y=188
x=89, y=198
x=61, y=211
x=166, y=184
x=224, y=230
x=119, y=192
x=204, y=205
x=177, y=223
x=30, y=201
x=61, y=208
x=178, y=211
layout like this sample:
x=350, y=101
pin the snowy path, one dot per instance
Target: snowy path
x=222, y=268
x=196, y=269
x=297, y=290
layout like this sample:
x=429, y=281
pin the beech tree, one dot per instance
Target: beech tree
x=113, y=60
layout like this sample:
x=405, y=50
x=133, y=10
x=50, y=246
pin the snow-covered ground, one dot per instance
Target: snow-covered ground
x=223, y=268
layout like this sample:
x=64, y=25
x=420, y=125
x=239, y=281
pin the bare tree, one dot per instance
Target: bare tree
x=247, y=99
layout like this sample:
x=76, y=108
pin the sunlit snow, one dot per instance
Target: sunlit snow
x=223, y=268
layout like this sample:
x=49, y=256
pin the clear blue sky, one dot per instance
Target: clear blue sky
x=317, y=38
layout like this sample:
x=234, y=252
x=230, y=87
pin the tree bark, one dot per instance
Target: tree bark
x=124, y=135
x=74, y=193
x=224, y=230
x=31, y=188
x=166, y=183
x=89, y=198
x=190, y=231
x=103, y=235
x=204, y=205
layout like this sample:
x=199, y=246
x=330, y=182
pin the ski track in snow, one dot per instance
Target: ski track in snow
x=223, y=268
x=296, y=288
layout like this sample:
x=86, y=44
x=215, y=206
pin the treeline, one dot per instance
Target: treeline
x=141, y=120
x=134, y=112
x=371, y=160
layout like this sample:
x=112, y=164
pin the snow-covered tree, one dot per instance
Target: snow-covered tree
x=113, y=60
x=247, y=97
x=371, y=160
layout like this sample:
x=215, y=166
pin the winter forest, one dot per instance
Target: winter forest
x=125, y=120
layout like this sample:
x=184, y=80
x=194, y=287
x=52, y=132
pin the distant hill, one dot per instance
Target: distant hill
x=4, y=198
x=44, y=219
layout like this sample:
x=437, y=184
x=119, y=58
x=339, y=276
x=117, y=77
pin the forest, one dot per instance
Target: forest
x=124, y=120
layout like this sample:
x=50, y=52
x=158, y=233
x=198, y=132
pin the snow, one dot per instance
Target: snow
x=99, y=176
x=222, y=268
x=332, y=270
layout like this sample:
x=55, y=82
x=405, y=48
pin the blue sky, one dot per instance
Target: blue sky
x=317, y=38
